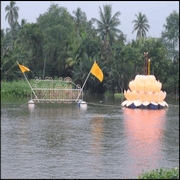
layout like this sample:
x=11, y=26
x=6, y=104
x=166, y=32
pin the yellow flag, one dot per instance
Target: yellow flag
x=96, y=71
x=23, y=68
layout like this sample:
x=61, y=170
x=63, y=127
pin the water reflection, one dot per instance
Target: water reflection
x=144, y=130
x=97, y=129
x=31, y=107
x=83, y=107
x=23, y=133
x=52, y=111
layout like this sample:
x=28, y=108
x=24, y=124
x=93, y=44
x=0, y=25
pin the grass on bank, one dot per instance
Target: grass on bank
x=15, y=89
x=161, y=174
x=119, y=95
x=116, y=95
x=21, y=88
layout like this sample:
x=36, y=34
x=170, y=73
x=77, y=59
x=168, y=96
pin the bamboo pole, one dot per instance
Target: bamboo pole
x=148, y=66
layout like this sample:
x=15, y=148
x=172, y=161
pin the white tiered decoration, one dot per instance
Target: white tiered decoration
x=144, y=90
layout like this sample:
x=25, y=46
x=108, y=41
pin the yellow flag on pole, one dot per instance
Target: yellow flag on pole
x=23, y=68
x=96, y=71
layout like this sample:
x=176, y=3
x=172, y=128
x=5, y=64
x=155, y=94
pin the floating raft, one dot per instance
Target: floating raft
x=144, y=105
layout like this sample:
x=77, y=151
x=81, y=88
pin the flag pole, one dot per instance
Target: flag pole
x=29, y=84
x=31, y=87
x=83, y=85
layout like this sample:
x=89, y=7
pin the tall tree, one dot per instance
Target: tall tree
x=56, y=25
x=79, y=18
x=140, y=25
x=108, y=23
x=108, y=33
x=12, y=13
x=170, y=35
x=12, y=17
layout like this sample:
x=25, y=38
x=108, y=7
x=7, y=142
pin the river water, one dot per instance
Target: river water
x=103, y=140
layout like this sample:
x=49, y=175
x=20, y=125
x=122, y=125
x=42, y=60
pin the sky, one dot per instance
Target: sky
x=155, y=11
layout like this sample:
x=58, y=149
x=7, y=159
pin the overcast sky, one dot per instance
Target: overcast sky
x=155, y=11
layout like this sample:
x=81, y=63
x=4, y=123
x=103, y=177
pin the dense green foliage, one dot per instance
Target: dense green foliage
x=21, y=88
x=15, y=89
x=119, y=95
x=60, y=44
x=161, y=174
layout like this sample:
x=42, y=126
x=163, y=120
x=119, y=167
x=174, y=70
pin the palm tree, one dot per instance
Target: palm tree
x=141, y=25
x=12, y=13
x=107, y=25
x=79, y=18
x=12, y=16
x=73, y=53
x=23, y=22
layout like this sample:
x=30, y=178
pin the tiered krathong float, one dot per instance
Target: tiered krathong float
x=145, y=92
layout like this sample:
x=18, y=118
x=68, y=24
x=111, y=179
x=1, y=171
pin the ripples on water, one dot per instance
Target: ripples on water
x=65, y=141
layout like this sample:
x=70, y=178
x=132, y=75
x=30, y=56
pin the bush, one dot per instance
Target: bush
x=15, y=89
x=108, y=93
x=161, y=174
x=21, y=88
x=119, y=95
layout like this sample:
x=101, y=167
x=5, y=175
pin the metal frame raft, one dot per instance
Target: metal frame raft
x=51, y=91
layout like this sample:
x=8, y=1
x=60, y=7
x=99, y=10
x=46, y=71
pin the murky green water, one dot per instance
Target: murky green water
x=103, y=140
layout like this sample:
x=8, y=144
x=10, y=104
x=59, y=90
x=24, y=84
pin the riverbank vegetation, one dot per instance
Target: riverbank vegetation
x=161, y=174
x=21, y=88
x=63, y=45
x=15, y=89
